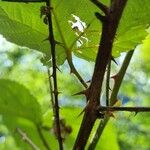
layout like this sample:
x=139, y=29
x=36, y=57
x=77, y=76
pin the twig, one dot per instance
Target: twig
x=104, y=122
x=107, y=83
x=69, y=54
x=42, y=137
x=113, y=98
x=131, y=109
x=54, y=75
x=74, y=70
x=26, y=139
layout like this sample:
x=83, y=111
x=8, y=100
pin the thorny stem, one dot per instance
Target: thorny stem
x=54, y=74
x=109, y=28
x=42, y=137
x=107, y=82
x=26, y=139
x=113, y=98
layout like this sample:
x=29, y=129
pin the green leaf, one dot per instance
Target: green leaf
x=133, y=24
x=128, y=40
x=22, y=25
x=145, y=48
x=130, y=33
x=16, y=100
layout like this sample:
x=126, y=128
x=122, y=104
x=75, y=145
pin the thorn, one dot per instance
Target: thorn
x=47, y=39
x=57, y=42
x=89, y=81
x=100, y=17
x=83, y=110
x=100, y=5
x=58, y=69
x=110, y=89
x=135, y=113
x=71, y=71
x=50, y=76
x=113, y=59
x=56, y=92
x=110, y=114
x=114, y=77
x=84, y=92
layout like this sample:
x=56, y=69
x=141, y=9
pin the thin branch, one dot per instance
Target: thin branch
x=69, y=53
x=113, y=98
x=131, y=109
x=42, y=137
x=100, y=5
x=74, y=70
x=54, y=75
x=120, y=76
x=27, y=139
x=107, y=83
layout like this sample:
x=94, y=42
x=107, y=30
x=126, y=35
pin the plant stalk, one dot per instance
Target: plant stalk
x=109, y=27
x=54, y=74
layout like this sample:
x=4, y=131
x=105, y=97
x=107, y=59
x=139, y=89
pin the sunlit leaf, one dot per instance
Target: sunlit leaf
x=22, y=25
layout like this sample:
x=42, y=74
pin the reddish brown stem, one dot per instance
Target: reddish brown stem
x=109, y=29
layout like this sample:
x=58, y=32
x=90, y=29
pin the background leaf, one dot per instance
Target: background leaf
x=16, y=100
